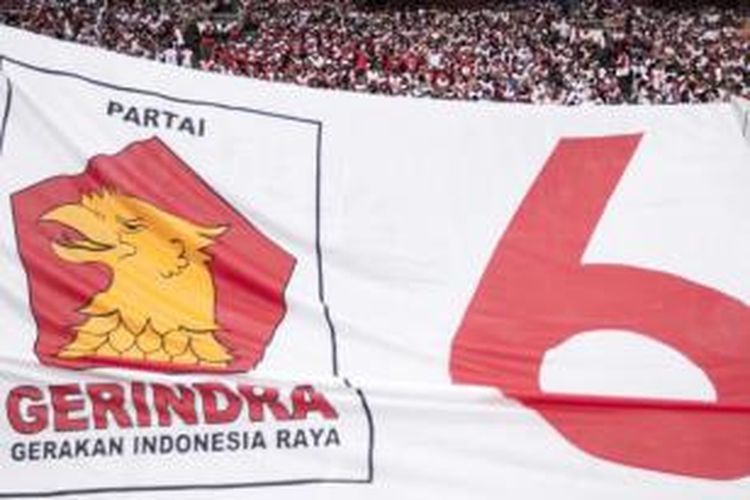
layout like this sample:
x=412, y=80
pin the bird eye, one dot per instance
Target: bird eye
x=133, y=225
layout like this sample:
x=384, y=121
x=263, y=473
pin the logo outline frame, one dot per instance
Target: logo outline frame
x=335, y=370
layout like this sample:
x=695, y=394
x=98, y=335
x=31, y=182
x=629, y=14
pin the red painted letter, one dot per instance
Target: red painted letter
x=536, y=293
x=212, y=412
x=67, y=399
x=36, y=417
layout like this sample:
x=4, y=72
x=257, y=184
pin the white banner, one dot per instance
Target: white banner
x=219, y=287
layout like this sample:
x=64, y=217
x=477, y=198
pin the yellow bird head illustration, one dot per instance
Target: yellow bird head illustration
x=160, y=301
x=123, y=231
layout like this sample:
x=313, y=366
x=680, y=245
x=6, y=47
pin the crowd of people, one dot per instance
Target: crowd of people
x=535, y=51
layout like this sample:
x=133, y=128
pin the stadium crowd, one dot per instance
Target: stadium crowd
x=599, y=51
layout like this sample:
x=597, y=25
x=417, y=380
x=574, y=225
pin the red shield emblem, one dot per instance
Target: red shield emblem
x=138, y=262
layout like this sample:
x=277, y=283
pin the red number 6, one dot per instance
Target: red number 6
x=536, y=293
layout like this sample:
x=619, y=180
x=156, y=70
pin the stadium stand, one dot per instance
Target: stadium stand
x=593, y=51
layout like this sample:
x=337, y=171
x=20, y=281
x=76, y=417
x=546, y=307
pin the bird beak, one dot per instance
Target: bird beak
x=83, y=229
x=70, y=215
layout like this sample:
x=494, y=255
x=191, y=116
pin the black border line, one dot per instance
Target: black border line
x=141, y=489
x=269, y=114
x=321, y=289
x=152, y=93
x=371, y=424
x=319, y=253
x=6, y=112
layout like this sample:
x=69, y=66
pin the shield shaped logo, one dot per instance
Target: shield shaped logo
x=137, y=262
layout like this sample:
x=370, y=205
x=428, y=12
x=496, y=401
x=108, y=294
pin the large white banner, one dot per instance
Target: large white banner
x=218, y=287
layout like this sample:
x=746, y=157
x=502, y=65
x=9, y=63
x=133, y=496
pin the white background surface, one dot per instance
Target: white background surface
x=415, y=195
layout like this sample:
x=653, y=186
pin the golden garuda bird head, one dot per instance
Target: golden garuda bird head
x=160, y=302
x=123, y=231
